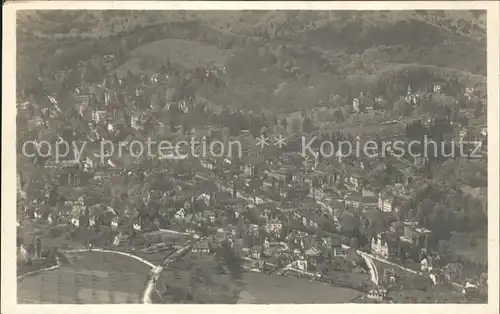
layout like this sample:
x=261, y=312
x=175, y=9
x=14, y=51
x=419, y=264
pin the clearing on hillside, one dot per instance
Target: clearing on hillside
x=186, y=53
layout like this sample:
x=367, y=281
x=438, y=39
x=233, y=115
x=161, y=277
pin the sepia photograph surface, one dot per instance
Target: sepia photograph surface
x=254, y=156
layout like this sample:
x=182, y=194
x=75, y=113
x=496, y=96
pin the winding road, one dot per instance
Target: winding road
x=155, y=273
x=374, y=276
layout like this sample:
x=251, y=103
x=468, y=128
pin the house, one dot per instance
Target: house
x=99, y=116
x=438, y=278
x=180, y=214
x=26, y=253
x=355, y=105
x=312, y=254
x=437, y=87
x=389, y=275
x=75, y=221
x=353, y=201
x=265, y=214
x=300, y=264
x=107, y=217
x=256, y=265
x=256, y=251
x=317, y=192
x=115, y=222
x=384, y=245
x=136, y=121
x=155, y=78
x=425, y=265
x=253, y=229
x=470, y=288
x=392, y=200
x=38, y=215
x=295, y=192
x=92, y=220
x=274, y=226
x=195, y=219
x=340, y=251
x=137, y=225
x=378, y=294
x=417, y=236
x=209, y=215
x=308, y=221
x=385, y=200
x=400, y=203
x=120, y=238
x=215, y=72
x=354, y=182
x=52, y=218
x=202, y=246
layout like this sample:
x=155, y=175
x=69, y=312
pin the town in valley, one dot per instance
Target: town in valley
x=268, y=221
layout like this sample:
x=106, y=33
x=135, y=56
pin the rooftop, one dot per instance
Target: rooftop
x=422, y=230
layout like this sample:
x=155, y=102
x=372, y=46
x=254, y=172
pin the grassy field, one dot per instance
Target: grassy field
x=34, y=266
x=92, y=277
x=265, y=289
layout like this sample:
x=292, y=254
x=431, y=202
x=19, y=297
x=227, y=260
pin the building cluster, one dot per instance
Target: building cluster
x=276, y=209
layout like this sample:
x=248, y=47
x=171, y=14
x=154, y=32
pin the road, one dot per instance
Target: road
x=156, y=271
x=175, y=232
x=411, y=271
x=374, y=276
x=155, y=274
x=113, y=252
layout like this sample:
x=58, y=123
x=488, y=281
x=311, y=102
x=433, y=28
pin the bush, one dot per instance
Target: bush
x=56, y=232
x=417, y=282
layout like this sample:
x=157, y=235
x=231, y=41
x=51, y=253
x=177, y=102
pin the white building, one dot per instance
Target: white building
x=98, y=115
x=180, y=214
x=274, y=226
x=300, y=264
x=382, y=246
x=385, y=201
x=355, y=105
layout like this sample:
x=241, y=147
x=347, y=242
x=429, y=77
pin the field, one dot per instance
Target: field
x=34, y=266
x=265, y=289
x=92, y=277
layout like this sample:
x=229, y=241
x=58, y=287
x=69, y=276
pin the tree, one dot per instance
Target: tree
x=307, y=125
x=417, y=282
x=284, y=123
x=401, y=107
x=296, y=125
x=234, y=264
x=453, y=270
x=338, y=115
x=437, y=221
x=202, y=285
x=90, y=73
x=353, y=243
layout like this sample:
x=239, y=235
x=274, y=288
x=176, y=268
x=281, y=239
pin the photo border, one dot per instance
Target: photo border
x=8, y=231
